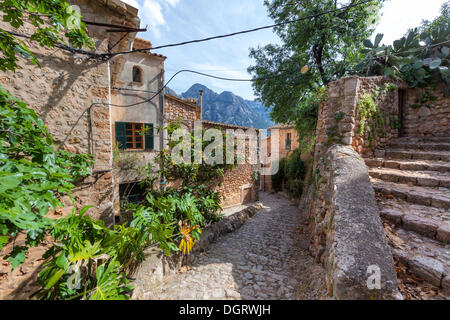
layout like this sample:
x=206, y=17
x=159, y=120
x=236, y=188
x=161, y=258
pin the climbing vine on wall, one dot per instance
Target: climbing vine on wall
x=373, y=121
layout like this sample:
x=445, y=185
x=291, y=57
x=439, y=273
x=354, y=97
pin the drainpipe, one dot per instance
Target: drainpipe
x=162, y=101
x=201, y=105
x=111, y=161
x=162, y=182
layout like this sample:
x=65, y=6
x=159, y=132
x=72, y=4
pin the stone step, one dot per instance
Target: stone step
x=417, y=178
x=428, y=221
x=425, y=146
x=417, y=155
x=424, y=139
x=427, y=196
x=417, y=165
x=425, y=258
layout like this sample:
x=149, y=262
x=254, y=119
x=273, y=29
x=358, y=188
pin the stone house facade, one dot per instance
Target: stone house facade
x=71, y=93
x=184, y=110
x=288, y=141
x=142, y=77
x=238, y=185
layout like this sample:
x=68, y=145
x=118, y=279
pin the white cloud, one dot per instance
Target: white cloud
x=132, y=3
x=152, y=13
x=173, y=3
x=220, y=71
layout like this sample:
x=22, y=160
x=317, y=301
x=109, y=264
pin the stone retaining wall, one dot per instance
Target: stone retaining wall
x=427, y=112
x=340, y=119
x=157, y=265
x=347, y=233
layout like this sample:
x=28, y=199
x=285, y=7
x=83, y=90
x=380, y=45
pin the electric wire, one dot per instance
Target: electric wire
x=110, y=55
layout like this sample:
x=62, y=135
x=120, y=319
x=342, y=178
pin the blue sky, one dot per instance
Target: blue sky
x=172, y=21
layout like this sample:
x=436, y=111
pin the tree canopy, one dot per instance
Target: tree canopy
x=313, y=51
x=50, y=18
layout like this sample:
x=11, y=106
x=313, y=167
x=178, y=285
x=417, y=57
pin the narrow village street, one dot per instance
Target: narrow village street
x=265, y=259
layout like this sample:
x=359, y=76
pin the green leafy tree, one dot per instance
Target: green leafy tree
x=313, y=52
x=50, y=18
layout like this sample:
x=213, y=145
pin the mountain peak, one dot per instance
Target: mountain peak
x=230, y=108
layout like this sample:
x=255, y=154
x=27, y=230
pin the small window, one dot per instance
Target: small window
x=131, y=193
x=288, y=141
x=137, y=75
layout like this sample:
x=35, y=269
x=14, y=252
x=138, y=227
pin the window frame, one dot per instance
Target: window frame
x=288, y=141
x=141, y=74
x=127, y=137
x=134, y=136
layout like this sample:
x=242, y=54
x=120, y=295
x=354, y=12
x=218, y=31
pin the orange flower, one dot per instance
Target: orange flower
x=187, y=241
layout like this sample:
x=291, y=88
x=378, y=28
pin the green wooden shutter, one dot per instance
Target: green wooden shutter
x=149, y=137
x=121, y=135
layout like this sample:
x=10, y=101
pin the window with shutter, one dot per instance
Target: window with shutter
x=121, y=138
x=130, y=136
x=149, y=137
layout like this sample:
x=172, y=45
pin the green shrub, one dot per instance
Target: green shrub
x=278, y=178
x=290, y=175
x=295, y=173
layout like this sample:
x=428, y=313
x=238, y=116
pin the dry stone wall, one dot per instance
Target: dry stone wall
x=238, y=185
x=427, y=112
x=360, y=112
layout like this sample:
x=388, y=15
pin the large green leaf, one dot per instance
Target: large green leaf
x=9, y=181
x=435, y=63
x=378, y=39
x=368, y=44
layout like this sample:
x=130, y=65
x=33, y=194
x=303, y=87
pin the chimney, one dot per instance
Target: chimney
x=201, y=104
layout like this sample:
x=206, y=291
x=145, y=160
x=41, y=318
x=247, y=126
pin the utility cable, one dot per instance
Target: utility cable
x=243, y=31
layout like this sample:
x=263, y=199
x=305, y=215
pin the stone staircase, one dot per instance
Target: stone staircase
x=412, y=181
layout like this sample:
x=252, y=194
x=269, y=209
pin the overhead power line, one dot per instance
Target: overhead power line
x=167, y=83
x=110, y=55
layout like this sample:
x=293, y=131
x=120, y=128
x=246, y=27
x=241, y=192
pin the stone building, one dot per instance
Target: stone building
x=238, y=185
x=135, y=129
x=287, y=138
x=71, y=93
